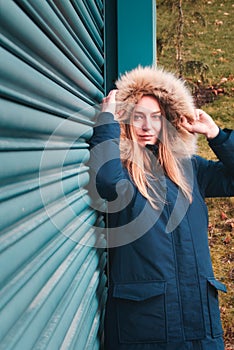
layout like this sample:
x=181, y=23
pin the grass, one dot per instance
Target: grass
x=207, y=35
x=208, y=43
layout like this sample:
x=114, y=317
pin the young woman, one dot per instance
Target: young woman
x=162, y=292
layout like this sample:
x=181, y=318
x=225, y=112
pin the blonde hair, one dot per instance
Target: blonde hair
x=137, y=161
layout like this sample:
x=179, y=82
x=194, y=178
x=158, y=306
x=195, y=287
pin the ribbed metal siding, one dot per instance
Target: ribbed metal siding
x=52, y=281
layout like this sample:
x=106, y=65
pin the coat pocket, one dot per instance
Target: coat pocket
x=213, y=303
x=141, y=312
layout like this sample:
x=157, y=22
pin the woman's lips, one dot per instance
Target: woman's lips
x=146, y=137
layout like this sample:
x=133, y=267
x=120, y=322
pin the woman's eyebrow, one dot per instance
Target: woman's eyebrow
x=139, y=112
x=156, y=112
x=143, y=112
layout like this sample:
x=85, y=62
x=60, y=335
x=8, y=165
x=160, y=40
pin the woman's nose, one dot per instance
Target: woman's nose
x=146, y=124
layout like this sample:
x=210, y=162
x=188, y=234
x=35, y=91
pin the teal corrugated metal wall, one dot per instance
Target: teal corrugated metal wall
x=52, y=281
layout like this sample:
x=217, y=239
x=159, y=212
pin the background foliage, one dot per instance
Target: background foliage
x=195, y=40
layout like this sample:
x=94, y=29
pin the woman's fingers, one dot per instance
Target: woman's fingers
x=109, y=102
x=188, y=125
x=202, y=124
x=111, y=95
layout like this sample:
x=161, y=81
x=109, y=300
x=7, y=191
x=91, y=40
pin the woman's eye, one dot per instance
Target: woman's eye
x=156, y=116
x=137, y=117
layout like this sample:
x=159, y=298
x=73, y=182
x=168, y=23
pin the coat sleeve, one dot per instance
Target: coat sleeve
x=108, y=178
x=216, y=178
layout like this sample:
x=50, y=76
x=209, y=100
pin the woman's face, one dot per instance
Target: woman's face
x=147, y=121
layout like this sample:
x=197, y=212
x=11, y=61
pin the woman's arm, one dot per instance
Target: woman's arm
x=223, y=146
x=108, y=177
x=216, y=179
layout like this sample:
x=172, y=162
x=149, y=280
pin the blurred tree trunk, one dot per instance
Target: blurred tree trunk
x=179, y=38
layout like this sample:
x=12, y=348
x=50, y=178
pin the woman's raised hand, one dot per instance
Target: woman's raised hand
x=203, y=124
x=109, y=102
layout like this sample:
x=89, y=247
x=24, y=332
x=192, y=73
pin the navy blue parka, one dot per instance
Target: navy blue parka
x=162, y=291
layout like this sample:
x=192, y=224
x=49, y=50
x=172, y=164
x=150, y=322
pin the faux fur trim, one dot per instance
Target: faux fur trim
x=166, y=87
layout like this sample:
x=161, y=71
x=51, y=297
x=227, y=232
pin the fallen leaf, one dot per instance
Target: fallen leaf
x=223, y=216
x=227, y=240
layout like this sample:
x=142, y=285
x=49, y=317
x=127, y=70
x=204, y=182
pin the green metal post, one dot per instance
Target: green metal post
x=136, y=33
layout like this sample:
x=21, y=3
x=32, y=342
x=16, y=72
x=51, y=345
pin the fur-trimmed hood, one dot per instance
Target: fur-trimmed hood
x=170, y=91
